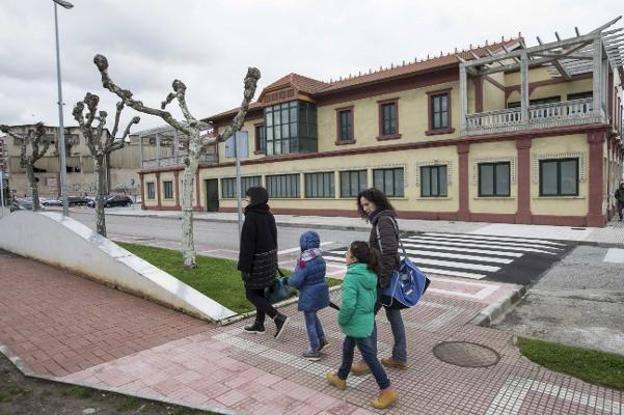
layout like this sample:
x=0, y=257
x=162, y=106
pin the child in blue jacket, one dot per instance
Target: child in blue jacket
x=309, y=279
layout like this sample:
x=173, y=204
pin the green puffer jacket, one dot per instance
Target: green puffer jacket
x=359, y=293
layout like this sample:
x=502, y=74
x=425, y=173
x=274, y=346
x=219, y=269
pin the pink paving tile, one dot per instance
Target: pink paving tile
x=268, y=379
x=55, y=298
x=231, y=398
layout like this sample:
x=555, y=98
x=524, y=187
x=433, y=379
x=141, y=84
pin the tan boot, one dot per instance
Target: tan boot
x=334, y=380
x=385, y=398
x=390, y=362
x=360, y=368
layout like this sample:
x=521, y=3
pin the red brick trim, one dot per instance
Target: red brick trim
x=495, y=82
x=176, y=178
x=541, y=133
x=141, y=177
x=464, y=208
x=380, y=104
x=351, y=140
x=523, y=214
x=560, y=220
x=478, y=83
x=431, y=130
x=595, y=215
x=158, y=197
x=439, y=75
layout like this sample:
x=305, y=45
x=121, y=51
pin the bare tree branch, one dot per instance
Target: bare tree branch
x=120, y=107
x=251, y=81
x=102, y=64
x=39, y=134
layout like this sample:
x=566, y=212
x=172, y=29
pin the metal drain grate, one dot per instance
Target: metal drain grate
x=466, y=354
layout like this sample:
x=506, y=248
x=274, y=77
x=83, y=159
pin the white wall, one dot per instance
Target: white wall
x=63, y=242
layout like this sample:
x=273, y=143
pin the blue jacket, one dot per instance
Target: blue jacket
x=309, y=276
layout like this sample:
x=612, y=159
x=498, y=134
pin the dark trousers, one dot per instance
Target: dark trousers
x=263, y=306
x=368, y=348
x=620, y=209
x=399, y=349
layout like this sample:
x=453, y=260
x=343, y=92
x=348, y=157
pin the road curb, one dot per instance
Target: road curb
x=499, y=308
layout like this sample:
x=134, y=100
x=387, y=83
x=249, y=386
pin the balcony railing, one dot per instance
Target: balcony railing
x=558, y=114
x=210, y=158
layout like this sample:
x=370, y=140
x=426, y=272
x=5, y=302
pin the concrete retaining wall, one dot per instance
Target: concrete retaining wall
x=64, y=242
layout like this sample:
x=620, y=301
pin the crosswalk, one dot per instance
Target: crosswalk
x=474, y=256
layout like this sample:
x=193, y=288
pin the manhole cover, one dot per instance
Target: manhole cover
x=466, y=354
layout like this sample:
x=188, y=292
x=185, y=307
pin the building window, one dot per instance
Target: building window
x=291, y=128
x=168, y=189
x=494, y=179
x=260, y=139
x=345, y=125
x=319, y=184
x=439, y=111
x=353, y=182
x=559, y=177
x=433, y=181
x=388, y=119
x=228, y=186
x=151, y=191
x=283, y=185
x=390, y=181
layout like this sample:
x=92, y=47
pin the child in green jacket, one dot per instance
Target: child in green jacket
x=357, y=318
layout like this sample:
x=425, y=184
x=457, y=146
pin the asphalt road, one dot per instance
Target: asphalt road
x=219, y=235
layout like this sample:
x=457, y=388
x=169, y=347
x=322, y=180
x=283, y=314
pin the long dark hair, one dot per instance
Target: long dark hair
x=366, y=255
x=376, y=196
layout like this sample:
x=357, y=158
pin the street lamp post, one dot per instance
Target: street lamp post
x=61, y=143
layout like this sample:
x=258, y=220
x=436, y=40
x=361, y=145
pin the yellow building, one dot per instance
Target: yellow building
x=500, y=133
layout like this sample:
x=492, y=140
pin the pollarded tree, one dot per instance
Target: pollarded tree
x=194, y=144
x=101, y=145
x=30, y=152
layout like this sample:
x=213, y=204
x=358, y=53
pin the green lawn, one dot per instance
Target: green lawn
x=217, y=278
x=590, y=365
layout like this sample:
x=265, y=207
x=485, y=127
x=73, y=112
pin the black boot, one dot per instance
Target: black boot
x=280, y=323
x=256, y=327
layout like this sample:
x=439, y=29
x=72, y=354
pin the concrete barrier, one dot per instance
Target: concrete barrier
x=66, y=243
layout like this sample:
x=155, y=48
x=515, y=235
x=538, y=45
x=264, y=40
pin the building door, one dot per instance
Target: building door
x=212, y=195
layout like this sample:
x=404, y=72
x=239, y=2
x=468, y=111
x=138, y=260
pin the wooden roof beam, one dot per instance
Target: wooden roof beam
x=559, y=56
x=561, y=70
x=582, y=40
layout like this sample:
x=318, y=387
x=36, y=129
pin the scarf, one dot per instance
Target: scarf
x=307, y=256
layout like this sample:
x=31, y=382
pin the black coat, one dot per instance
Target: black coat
x=387, y=245
x=257, y=259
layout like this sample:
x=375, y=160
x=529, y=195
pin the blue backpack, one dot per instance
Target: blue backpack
x=407, y=283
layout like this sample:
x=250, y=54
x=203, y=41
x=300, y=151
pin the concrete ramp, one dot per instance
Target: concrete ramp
x=66, y=243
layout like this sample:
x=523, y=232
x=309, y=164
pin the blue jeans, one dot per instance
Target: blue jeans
x=314, y=329
x=399, y=349
x=368, y=348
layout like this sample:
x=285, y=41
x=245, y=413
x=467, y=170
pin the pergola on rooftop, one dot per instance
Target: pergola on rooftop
x=590, y=53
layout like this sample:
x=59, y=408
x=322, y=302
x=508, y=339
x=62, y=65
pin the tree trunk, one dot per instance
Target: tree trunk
x=188, y=181
x=34, y=191
x=100, y=193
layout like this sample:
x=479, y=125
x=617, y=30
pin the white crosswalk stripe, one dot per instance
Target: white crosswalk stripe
x=464, y=255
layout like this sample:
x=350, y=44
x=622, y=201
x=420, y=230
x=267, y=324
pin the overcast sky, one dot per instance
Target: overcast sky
x=209, y=44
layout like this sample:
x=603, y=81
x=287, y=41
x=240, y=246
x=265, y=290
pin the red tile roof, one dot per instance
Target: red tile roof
x=315, y=87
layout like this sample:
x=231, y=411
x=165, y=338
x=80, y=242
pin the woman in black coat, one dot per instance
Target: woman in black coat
x=257, y=259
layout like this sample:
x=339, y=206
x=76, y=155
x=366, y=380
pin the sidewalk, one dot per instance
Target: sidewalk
x=56, y=325
x=612, y=234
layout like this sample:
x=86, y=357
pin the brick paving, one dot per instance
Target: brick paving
x=47, y=314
